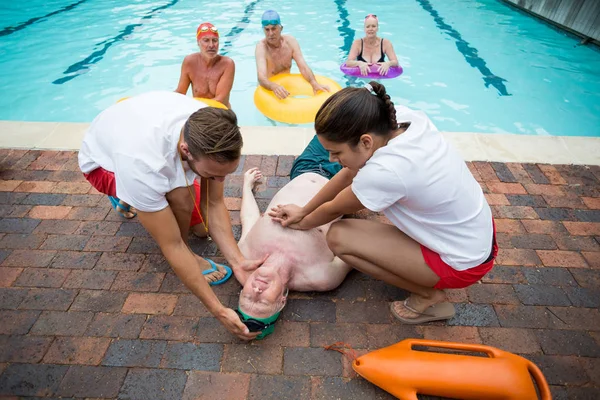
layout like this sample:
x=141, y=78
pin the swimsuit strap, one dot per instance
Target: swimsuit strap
x=382, y=58
x=360, y=57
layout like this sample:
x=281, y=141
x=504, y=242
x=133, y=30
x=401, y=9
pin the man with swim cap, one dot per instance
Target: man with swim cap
x=274, y=55
x=210, y=74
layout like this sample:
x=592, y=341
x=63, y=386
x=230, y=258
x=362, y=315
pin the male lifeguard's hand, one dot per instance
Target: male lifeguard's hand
x=288, y=215
x=317, y=87
x=251, y=265
x=232, y=322
x=243, y=269
x=280, y=92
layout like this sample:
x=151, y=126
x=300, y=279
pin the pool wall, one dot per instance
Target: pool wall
x=271, y=140
x=581, y=17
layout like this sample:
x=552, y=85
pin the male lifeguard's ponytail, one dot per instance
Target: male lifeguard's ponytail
x=352, y=112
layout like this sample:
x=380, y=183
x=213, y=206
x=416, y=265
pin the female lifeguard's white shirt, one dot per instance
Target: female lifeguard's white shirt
x=424, y=187
x=137, y=140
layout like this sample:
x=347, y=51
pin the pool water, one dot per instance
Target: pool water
x=472, y=65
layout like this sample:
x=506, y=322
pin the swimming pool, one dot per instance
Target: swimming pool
x=472, y=65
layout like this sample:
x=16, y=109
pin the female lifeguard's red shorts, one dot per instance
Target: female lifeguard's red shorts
x=104, y=182
x=453, y=279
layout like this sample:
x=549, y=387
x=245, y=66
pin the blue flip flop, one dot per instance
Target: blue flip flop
x=214, y=269
x=120, y=208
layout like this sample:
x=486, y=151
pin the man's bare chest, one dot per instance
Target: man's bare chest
x=297, y=248
x=279, y=59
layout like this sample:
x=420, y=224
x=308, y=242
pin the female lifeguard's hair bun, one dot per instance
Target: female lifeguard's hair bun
x=352, y=112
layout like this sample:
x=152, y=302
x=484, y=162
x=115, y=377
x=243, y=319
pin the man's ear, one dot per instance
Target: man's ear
x=185, y=151
x=282, y=304
x=283, y=299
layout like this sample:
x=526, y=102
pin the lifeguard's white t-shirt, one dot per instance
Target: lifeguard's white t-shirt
x=137, y=140
x=424, y=187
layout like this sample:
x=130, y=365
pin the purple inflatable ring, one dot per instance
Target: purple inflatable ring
x=393, y=72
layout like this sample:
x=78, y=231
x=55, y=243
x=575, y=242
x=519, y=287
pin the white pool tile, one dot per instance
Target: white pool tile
x=270, y=140
x=24, y=135
x=66, y=136
x=468, y=145
x=524, y=148
x=583, y=150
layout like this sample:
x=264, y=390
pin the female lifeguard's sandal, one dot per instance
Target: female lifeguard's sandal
x=215, y=269
x=436, y=312
x=121, y=207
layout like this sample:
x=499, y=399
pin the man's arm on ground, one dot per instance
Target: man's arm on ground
x=184, y=78
x=261, y=66
x=249, y=212
x=219, y=224
x=225, y=83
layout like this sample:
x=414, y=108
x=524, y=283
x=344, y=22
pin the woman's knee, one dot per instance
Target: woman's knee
x=337, y=236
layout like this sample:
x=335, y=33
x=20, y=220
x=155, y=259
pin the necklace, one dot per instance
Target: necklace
x=205, y=224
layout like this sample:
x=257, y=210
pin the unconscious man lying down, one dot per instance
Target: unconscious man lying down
x=295, y=260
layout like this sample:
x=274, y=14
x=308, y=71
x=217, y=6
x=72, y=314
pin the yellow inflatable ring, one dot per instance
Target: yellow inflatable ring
x=208, y=102
x=293, y=109
x=212, y=103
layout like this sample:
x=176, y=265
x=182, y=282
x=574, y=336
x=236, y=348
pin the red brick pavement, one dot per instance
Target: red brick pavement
x=90, y=309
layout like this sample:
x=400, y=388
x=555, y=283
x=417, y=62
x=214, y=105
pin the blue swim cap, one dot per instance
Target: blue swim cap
x=270, y=17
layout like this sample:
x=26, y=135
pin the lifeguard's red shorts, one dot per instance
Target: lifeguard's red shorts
x=453, y=279
x=104, y=182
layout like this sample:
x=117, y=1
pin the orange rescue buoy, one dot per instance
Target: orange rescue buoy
x=405, y=372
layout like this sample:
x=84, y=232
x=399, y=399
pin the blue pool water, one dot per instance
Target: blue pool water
x=473, y=65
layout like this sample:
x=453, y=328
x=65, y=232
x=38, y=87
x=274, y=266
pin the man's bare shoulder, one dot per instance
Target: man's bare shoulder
x=227, y=61
x=191, y=59
x=262, y=43
x=289, y=39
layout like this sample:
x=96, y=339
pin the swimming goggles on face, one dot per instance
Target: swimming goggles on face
x=254, y=325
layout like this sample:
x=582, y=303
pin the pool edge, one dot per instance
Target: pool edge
x=268, y=140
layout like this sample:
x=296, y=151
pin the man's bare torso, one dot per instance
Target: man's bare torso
x=205, y=79
x=279, y=59
x=305, y=252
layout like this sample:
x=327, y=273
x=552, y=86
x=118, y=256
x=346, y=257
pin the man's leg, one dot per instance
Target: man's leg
x=104, y=182
x=197, y=224
x=249, y=212
x=386, y=253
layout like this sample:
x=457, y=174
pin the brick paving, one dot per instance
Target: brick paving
x=90, y=309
